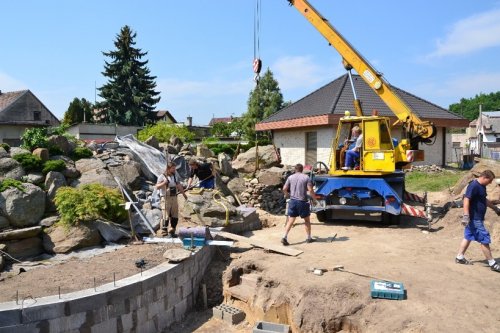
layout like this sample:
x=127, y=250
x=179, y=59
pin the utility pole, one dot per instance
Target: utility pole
x=480, y=131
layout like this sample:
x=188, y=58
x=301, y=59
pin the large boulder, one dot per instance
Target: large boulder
x=111, y=232
x=53, y=182
x=89, y=164
x=10, y=168
x=203, y=151
x=246, y=162
x=153, y=142
x=237, y=186
x=4, y=223
x=272, y=177
x=59, y=239
x=25, y=248
x=18, y=234
x=62, y=143
x=129, y=174
x=70, y=171
x=153, y=216
x=3, y=153
x=23, y=208
x=18, y=150
x=93, y=171
x=225, y=164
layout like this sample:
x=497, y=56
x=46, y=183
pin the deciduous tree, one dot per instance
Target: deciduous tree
x=265, y=99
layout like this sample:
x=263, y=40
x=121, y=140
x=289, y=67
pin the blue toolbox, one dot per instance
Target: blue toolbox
x=193, y=242
x=387, y=290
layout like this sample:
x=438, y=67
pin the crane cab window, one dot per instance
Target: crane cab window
x=385, y=137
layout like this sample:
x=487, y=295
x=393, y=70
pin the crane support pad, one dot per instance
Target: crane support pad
x=413, y=211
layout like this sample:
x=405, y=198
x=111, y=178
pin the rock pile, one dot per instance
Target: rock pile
x=427, y=168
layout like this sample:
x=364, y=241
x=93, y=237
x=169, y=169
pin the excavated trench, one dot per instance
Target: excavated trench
x=246, y=286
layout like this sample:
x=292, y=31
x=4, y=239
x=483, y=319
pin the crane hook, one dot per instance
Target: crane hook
x=257, y=66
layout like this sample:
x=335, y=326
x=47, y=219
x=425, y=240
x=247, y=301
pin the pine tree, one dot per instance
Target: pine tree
x=129, y=95
x=264, y=100
x=79, y=110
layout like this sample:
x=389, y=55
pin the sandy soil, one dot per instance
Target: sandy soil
x=441, y=296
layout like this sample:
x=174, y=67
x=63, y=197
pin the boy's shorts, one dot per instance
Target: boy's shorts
x=475, y=231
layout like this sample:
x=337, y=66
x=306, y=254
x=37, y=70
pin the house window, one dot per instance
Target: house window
x=37, y=115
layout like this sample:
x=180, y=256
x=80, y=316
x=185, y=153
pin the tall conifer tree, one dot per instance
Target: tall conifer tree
x=129, y=95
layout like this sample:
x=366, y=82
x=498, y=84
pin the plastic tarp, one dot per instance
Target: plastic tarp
x=152, y=160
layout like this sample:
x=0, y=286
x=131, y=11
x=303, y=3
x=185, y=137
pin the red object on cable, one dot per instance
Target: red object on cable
x=257, y=65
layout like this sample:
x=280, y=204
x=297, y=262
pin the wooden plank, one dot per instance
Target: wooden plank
x=276, y=248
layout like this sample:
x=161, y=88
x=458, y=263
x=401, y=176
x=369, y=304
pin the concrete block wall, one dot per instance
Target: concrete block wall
x=150, y=302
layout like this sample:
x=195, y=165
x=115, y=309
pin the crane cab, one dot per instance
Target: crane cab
x=375, y=156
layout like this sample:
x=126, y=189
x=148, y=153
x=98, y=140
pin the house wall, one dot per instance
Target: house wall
x=24, y=109
x=86, y=131
x=292, y=145
x=11, y=134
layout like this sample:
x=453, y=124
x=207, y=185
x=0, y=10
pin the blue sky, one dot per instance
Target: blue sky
x=202, y=51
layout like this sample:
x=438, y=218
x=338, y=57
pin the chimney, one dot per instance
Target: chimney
x=189, y=121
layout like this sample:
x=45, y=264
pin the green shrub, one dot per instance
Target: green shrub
x=163, y=131
x=54, y=150
x=5, y=146
x=33, y=138
x=81, y=152
x=37, y=137
x=228, y=148
x=9, y=182
x=53, y=165
x=29, y=161
x=88, y=203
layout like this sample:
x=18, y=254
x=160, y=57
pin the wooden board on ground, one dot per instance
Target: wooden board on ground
x=276, y=248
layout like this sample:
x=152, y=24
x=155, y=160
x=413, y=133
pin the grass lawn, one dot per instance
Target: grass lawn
x=417, y=181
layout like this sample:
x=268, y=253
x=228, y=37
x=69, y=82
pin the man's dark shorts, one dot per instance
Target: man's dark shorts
x=298, y=208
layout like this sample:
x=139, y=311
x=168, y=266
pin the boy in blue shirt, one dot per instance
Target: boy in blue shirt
x=475, y=204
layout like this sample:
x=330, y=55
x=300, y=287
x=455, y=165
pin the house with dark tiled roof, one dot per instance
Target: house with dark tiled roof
x=20, y=110
x=304, y=130
x=227, y=120
x=166, y=116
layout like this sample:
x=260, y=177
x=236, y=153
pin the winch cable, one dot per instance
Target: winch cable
x=257, y=63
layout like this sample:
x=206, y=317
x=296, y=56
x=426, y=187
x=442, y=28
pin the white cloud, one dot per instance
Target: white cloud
x=471, y=34
x=452, y=90
x=300, y=72
x=8, y=83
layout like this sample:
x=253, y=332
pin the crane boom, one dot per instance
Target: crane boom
x=417, y=129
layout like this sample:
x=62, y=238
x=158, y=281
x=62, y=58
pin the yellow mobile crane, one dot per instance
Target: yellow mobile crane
x=374, y=189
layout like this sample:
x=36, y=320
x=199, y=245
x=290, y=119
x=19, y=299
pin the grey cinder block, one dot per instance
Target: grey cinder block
x=267, y=327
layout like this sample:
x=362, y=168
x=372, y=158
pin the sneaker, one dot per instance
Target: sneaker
x=495, y=267
x=284, y=242
x=463, y=261
x=346, y=168
x=310, y=240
